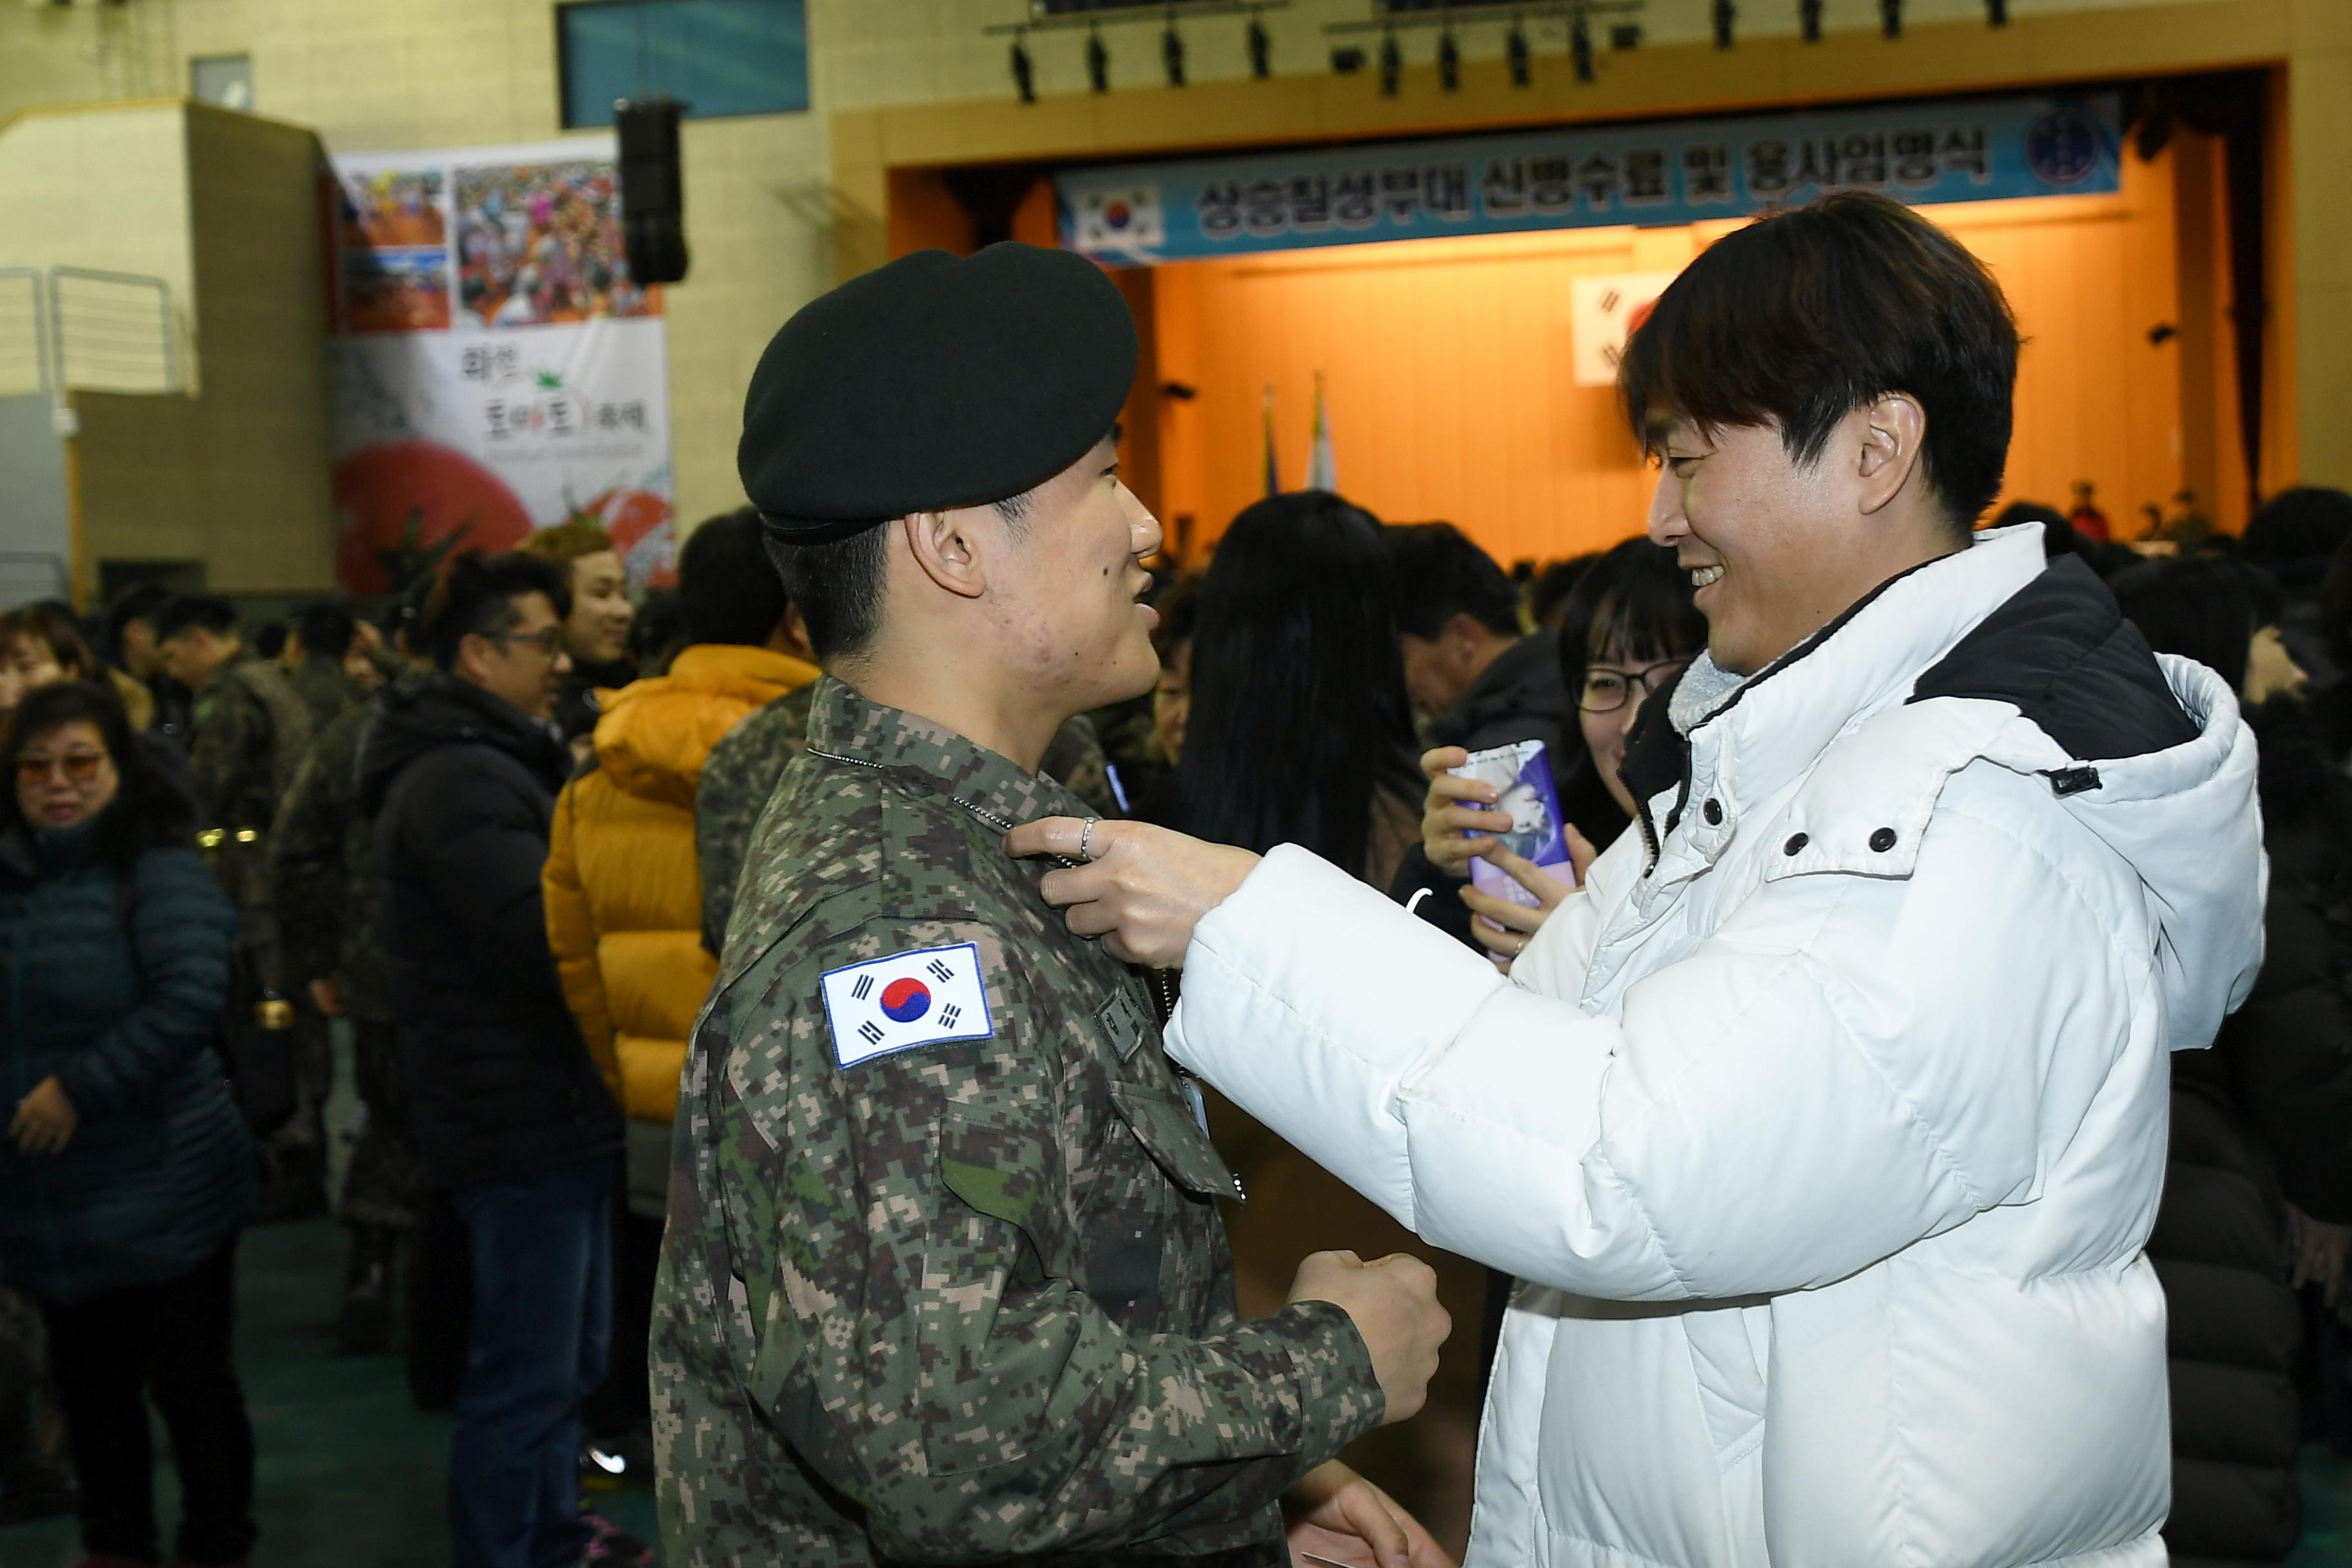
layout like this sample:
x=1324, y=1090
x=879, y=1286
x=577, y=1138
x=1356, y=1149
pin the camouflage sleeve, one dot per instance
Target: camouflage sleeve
x=1075, y=760
x=226, y=730
x=308, y=882
x=928, y=1353
x=737, y=780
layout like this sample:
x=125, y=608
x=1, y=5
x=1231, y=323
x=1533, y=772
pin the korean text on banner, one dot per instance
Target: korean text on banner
x=1976, y=149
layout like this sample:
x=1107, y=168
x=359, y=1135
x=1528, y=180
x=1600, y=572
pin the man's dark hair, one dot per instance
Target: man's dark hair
x=1806, y=315
x=1440, y=575
x=838, y=587
x=209, y=611
x=730, y=594
x=658, y=631
x=2309, y=522
x=477, y=599
x=137, y=603
x=326, y=631
x=2200, y=608
x=148, y=810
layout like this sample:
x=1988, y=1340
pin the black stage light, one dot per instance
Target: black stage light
x=1726, y=17
x=1097, y=63
x=1449, y=62
x=1515, y=49
x=1347, y=62
x=1890, y=17
x=1024, y=73
x=1261, y=50
x=1997, y=12
x=1579, y=49
x=1625, y=35
x=1171, y=54
x=1809, y=20
x=1391, y=66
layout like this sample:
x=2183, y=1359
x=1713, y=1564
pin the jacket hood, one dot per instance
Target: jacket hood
x=655, y=734
x=413, y=720
x=2147, y=751
x=1524, y=682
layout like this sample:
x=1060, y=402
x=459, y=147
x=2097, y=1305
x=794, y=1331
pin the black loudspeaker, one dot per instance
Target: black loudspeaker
x=652, y=192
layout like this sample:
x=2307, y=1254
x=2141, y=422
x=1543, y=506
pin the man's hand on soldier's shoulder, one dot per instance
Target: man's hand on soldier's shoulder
x=1392, y=1301
x=1334, y=1516
x=1142, y=890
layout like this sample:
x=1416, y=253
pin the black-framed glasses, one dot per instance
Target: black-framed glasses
x=1606, y=690
x=547, y=640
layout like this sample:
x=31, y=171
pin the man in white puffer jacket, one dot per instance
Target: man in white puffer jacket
x=1825, y=1125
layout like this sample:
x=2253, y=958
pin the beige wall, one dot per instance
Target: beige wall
x=232, y=471
x=763, y=214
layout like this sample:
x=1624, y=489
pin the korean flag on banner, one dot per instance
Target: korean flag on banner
x=922, y=998
x=1121, y=218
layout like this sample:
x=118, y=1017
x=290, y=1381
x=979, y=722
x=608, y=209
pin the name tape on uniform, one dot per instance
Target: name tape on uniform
x=925, y=998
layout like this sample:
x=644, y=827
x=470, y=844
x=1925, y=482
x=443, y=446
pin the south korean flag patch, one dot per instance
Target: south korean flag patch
x=925, y=998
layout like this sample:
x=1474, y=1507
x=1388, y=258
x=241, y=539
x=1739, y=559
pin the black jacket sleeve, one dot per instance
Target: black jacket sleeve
x=2289, y=1051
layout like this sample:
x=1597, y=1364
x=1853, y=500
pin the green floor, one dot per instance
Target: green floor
x=351, y=1475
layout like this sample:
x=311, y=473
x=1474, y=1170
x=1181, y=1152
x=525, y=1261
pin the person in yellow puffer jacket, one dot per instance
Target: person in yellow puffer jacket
x=624, y=894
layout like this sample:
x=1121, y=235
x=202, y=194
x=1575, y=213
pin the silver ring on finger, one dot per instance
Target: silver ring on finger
x=1086, y=837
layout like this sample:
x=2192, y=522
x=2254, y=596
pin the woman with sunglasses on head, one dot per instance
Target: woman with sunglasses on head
x=1629, y=625
x=126, y=1172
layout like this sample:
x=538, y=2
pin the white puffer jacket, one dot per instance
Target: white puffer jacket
x=1825, y=1145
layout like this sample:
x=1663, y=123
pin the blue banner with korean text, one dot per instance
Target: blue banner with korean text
x=1955, y=151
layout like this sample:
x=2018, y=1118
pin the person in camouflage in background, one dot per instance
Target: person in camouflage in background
x=246, y=735
x=330, y=901
x=945, y=1278
x=743, y=768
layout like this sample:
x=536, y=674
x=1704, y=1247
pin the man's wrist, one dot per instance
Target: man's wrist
x=1340, y=1396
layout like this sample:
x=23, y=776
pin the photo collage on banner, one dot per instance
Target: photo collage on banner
x=495, y=370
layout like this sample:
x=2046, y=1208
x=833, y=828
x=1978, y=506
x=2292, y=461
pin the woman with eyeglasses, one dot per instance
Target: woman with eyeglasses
x=126, y=1171
x=1628, y=629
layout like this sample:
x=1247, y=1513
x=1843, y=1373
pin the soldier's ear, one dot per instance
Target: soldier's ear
x=946, y=547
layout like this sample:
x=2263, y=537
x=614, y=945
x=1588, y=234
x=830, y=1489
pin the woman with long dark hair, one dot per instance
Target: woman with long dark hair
x=1299, y=730
x=126, y=1172
x=1628, y=627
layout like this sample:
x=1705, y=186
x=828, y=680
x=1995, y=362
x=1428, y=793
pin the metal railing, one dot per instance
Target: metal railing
x=84, y=329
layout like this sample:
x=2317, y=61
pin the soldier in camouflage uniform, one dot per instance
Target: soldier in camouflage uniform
x=743, y=768
x=246, y=737
x=945, y=1278
x=329, y=902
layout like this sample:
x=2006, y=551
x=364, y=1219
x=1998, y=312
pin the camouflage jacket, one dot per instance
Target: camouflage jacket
x=324, y=690
x=967, y=1297
x=322, y=873
x=742, y=770
x=246, y=738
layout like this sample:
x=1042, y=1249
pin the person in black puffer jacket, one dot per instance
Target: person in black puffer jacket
x=1477, y=681
x=2262, y=1124
x=127, y=1171
x=459, y=774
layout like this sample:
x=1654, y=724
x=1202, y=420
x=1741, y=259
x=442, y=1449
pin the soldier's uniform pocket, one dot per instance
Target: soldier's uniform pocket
x=1155, y=1242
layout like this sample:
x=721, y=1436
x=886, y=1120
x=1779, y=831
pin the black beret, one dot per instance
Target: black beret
x=934, y=383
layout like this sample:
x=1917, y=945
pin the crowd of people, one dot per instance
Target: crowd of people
x=499, y=833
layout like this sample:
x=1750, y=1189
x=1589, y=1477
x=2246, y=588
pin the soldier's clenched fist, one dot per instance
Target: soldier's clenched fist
x=1392, y=1301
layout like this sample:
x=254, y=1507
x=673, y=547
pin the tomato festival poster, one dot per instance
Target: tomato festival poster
x=494, y=367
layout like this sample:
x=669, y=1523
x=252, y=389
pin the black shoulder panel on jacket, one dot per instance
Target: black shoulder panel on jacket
x=2062, y=651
